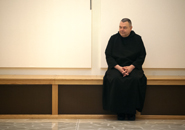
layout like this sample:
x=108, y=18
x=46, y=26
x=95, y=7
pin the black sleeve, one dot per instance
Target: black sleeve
x=108, y=52
x=140, y=60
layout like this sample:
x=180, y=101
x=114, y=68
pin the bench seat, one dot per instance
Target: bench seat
x=56, y=80
x=87, y=80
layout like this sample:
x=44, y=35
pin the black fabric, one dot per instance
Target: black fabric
x=124, y=94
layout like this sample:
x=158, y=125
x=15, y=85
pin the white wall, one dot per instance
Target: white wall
x=45, y=33
x=96, y=56
x=159, y=22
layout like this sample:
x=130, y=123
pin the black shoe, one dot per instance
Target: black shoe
x=121, y=117
x=131, y=117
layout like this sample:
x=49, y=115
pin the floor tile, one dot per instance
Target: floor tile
x=90, y=124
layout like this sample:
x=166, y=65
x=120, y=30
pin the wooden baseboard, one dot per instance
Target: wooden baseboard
x=63, y=116
x=70, y=116
x=179, y=117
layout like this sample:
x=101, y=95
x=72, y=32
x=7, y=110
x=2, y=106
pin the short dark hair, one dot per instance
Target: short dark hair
x=127, y=20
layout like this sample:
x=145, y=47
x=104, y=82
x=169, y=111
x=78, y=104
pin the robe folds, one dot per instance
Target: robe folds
x=124, y=94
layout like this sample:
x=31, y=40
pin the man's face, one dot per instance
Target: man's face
x=124, y=29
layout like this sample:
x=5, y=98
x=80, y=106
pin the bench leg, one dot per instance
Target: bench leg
x=54, y=99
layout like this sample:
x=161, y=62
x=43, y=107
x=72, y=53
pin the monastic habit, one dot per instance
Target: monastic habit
x=124, y=94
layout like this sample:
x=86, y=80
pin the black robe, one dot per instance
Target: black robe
x=124, y=94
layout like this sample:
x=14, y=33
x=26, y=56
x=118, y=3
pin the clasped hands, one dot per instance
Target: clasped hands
x=126, y=70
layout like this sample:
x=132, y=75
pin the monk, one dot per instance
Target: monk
x=124, y=83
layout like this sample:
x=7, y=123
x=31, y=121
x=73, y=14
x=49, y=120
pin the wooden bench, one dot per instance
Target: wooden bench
x=56, y=80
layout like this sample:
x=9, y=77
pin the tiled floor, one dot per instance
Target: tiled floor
x=90, y=124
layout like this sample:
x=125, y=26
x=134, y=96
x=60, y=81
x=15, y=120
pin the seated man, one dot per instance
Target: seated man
x=124, y=83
